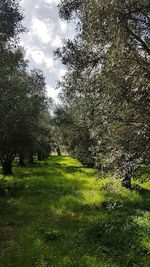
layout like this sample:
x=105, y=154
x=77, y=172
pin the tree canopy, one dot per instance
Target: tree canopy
x=107, y=82
x=24, y=105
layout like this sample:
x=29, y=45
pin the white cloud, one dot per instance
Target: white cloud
x=52, y=92
x=40, y=58
x=49, y=62
x=51, y=2
x=42, y=30
x=37, y=55
x=46, y=31
x=61, y=73
x=37, y=6
x=63, y=25
x=57, y=41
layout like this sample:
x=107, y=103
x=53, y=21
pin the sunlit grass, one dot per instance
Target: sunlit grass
x=59, y=214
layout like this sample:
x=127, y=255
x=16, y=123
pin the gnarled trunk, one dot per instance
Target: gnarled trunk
x=31, y=159
x=58, y=151
x=6, y=161
x=21, y=160
x=7, y=167
x=39, y=156
x=126, y=182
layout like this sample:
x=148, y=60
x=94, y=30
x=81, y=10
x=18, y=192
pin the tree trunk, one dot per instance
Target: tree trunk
x=7, y=167
x=21, y=160
x=39, y=156
x=126, y=182
x=58, y=151
x=31, y=160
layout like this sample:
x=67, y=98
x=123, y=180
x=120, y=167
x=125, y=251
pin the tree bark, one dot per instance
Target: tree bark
x=39, y=156
x=126, y=182
x=58, y=151
x=139, y=39
x=31, y=160
x=21, y=160
x=7, y=167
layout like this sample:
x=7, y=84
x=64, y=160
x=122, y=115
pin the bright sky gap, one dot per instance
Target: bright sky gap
x=46, y=32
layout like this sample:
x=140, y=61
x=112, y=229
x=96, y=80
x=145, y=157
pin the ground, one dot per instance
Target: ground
x=59, y=214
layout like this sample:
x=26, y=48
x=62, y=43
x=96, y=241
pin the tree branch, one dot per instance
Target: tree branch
x=140, y=40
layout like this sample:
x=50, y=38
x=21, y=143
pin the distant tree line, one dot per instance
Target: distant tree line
x=25, y=121
x=104, y=119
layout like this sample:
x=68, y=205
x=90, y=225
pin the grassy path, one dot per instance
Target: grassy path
x=57, y=215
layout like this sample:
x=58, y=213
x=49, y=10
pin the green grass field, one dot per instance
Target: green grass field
x=59, y=214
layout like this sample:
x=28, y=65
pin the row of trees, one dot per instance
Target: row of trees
x=105, y=116
x=24, y=107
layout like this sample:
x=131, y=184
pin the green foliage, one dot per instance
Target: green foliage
x=23, y=101
x=74, y=133
x=11, y=17
x=108, y=79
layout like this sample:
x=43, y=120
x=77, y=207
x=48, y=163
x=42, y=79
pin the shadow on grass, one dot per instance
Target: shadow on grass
x=122, y=232
x=50, y=209
x=142, y=174
x=40, y=183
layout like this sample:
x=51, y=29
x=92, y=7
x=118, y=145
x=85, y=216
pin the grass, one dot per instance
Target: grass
x=58, y=214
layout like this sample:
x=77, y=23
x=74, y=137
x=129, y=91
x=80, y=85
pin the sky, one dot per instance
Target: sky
x=46, y=32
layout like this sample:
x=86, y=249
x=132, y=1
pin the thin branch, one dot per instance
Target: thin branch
x=139, y=39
